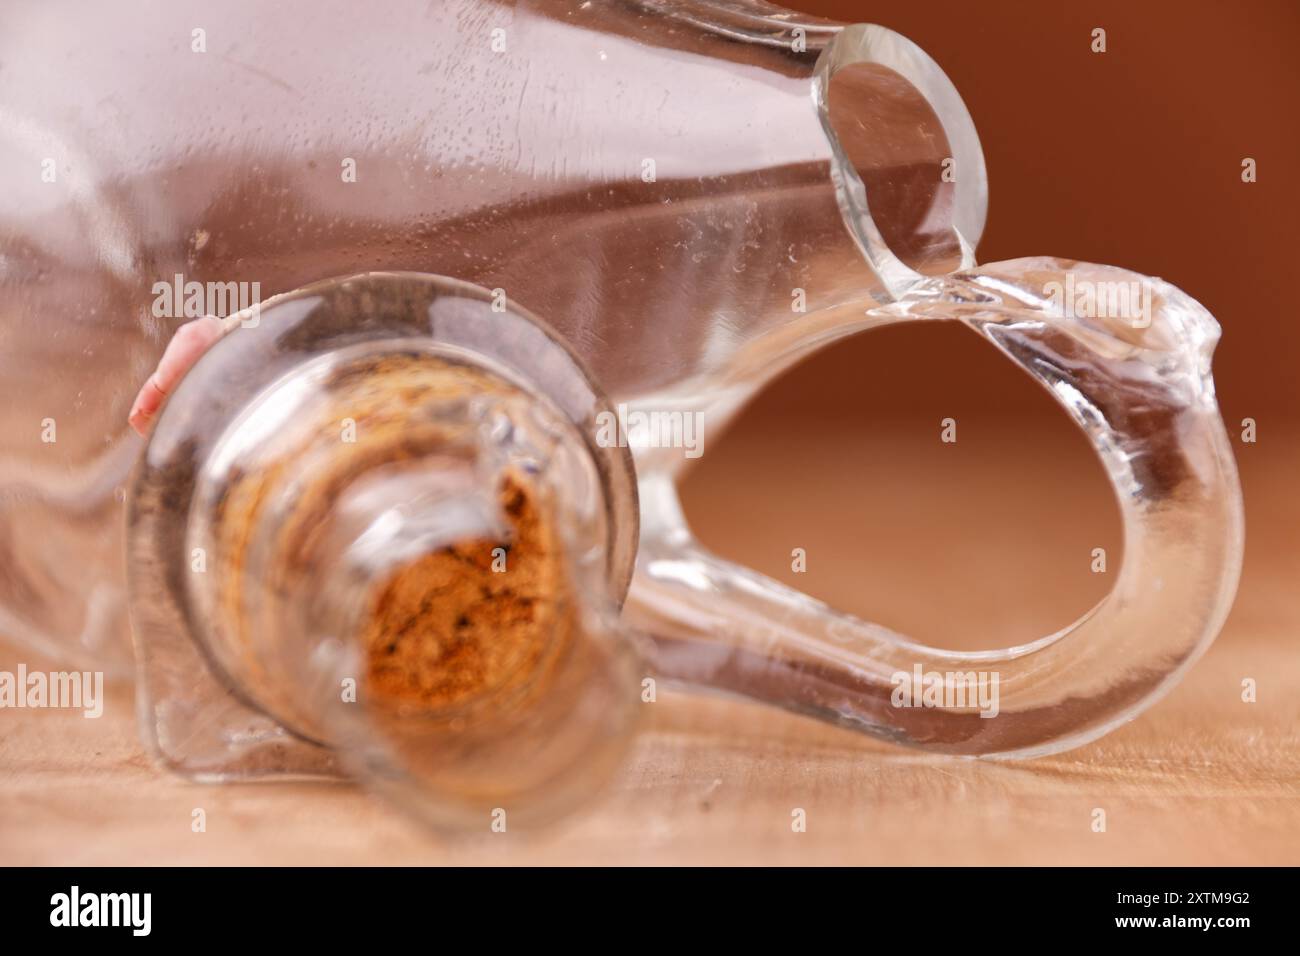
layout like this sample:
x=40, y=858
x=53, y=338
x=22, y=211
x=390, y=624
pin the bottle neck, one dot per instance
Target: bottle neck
x=413, y=548
x=386, y=484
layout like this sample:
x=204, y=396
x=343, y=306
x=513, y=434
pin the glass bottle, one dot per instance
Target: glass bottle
x=658, y=181
x=692, y=195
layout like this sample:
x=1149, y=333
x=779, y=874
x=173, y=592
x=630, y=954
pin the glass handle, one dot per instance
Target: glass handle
x=1138, y=383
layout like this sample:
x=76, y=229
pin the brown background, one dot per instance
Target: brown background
x=1130, y=158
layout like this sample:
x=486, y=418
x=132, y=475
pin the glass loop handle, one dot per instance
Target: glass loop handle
x=1141, y=390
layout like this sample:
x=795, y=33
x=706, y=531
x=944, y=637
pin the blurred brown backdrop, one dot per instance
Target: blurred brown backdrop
x=1133, y=158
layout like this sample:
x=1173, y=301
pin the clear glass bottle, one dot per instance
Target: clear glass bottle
x=658, y=181
x=691, y=194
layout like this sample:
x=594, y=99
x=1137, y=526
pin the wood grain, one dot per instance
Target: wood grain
x=1202, y=778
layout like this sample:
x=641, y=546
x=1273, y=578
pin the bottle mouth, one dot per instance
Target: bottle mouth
x=906, y=161
x=414, y=546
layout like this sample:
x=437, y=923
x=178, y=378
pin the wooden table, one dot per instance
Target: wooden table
x=1203, y=778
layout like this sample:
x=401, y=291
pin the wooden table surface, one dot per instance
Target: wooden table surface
x=1202, y=778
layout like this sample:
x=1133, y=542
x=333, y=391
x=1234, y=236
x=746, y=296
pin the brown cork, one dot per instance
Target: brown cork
x=477, y=622
x=473, y=620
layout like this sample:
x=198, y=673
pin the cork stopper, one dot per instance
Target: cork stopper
x=463, y=623
x=468, y=623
